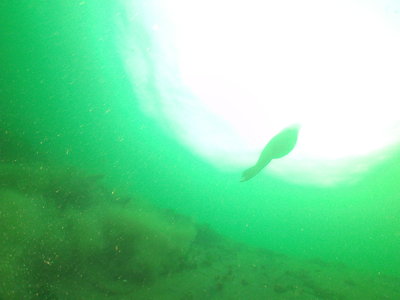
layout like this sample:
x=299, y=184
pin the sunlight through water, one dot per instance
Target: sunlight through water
x=224, y=77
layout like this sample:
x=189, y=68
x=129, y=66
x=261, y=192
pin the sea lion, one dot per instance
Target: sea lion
x=279, y=146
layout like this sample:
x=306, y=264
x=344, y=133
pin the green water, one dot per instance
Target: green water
x=66, y=101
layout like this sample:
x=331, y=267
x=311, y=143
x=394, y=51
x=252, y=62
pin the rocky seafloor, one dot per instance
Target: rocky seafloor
x=65, y=234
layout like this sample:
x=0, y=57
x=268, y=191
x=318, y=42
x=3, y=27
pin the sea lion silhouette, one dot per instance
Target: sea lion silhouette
x=279, y=146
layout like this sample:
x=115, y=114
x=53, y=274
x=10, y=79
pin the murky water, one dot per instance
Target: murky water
x=98, y=200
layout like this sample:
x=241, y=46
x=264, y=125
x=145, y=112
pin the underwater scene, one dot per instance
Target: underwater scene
x=190, y=150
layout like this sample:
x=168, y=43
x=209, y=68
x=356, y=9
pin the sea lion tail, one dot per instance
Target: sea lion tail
x=250, y=173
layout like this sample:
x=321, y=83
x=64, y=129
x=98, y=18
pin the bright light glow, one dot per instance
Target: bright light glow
x=231, y=74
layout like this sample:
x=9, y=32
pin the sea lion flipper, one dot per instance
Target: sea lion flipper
x=250, y=173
